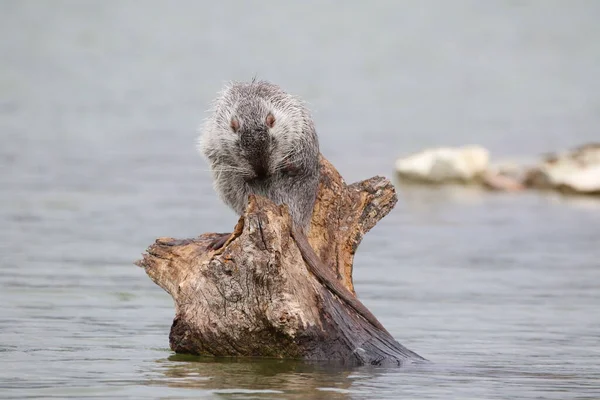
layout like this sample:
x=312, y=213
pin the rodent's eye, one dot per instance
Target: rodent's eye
x=235, y=124
x=270, y=121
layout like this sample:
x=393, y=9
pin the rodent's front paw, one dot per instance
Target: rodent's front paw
x=291, y=169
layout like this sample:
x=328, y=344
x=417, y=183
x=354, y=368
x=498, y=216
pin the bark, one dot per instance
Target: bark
x=255, y=297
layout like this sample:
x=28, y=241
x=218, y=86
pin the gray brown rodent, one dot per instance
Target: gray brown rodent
x=262, y=140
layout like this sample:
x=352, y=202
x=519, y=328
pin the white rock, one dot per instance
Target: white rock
x=444, y=164
x=576, y=171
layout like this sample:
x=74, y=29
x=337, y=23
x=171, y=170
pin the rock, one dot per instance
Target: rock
x=506, y=175
x=444, y=165
x=514, y=168
x=501, y=182
x=577, y=171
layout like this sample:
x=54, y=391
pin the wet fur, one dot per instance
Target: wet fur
x=293, y=152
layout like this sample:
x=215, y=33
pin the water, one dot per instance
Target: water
x=99, y=102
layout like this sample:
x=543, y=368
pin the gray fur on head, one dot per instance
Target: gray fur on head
x=249, y=154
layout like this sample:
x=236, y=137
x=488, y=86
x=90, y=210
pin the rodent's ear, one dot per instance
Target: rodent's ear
x=235, y=124
x=270, y=121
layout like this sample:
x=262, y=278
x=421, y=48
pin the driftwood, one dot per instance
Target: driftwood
x=255, y=296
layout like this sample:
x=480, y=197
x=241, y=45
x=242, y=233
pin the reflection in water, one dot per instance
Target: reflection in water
x=427, y=196
x=591, y=203
x=279, y=379
x=243, y=376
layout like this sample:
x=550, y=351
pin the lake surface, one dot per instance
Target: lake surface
x=99, y=106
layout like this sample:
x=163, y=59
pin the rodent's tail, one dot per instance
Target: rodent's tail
x=327, y=278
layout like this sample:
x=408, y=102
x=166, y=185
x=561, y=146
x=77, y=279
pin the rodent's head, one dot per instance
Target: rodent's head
x=254, y=130
x=252, y=122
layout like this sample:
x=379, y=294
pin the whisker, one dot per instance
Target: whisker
x=285, y=157
x=289, y=157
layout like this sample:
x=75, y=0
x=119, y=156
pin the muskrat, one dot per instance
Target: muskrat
x=261, y=140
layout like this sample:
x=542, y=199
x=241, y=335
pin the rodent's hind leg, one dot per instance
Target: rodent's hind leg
x=219, y=241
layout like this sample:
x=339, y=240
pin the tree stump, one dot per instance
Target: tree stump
x=255, y=296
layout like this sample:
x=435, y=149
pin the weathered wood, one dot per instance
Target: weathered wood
x=343, y=214
x=256, y=297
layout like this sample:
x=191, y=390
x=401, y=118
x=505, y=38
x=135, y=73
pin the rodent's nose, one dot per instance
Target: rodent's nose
x=261, y=171
x=256, y=149
x=254, y=139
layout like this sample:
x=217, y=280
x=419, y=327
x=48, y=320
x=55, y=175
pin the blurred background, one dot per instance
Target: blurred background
x=100, y=104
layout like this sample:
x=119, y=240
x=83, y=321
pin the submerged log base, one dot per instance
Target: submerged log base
x=256, y=297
